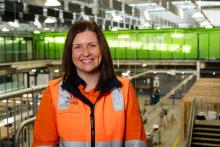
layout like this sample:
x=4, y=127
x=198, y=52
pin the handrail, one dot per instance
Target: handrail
x=191, y=121
x=20, y=128
x=22, y=91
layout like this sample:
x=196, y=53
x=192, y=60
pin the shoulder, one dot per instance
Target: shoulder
x=54, y=83
x=124, y=81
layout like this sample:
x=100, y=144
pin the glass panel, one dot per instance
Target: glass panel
x=2, y=50
x=9, y=49
x=23, y=50
x=52, y=51
x=2, y=84
x=29, y=50
x=14, y=81
x=21, y=81
x=8, y=82
x=16, y=48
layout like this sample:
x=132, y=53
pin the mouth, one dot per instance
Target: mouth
x=86, y=60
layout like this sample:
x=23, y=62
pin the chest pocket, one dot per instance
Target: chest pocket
x=117, y=99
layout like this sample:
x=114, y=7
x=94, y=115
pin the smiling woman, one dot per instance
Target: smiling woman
x=90, y=105
x=86, y=54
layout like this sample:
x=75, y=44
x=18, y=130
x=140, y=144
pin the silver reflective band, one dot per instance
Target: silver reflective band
x=88, y=144
x=63, y=98
x=109, y=144
x=117, y=99
x=135, y=143
x=132, y=143
x=74, y=144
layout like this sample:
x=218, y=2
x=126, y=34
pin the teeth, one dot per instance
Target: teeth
x=87, y=60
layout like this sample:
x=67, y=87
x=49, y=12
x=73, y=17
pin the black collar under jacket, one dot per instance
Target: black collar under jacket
x=72, y=87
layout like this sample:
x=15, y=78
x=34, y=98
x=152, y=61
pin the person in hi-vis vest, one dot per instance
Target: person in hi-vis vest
x=89, y=106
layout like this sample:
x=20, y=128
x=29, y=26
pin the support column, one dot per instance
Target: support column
x=197, y=70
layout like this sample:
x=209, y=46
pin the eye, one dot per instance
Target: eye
x=76, y=47
x=92, y=45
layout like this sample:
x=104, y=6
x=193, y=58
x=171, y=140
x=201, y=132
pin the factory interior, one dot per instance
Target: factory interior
x=168, y=49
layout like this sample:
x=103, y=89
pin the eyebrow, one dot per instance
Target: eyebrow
x=84, y=43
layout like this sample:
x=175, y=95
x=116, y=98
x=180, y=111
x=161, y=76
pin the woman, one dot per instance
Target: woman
x=90, y=106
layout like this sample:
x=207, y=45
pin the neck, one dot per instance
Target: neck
x=91, y=79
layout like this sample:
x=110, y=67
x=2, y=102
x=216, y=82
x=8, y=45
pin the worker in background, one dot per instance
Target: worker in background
x=155, y=96
x=89, y=106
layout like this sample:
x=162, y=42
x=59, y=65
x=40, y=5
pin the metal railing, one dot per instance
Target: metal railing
x=20, y=129
x=191, y=121
x=16, y=107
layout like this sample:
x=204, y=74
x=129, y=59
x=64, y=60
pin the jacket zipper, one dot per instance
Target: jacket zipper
x=92, y=122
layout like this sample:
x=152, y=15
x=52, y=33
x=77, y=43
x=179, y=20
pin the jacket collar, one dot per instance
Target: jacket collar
x=72, y=87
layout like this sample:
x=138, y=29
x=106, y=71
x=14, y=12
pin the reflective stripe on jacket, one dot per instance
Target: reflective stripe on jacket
x=65, y=117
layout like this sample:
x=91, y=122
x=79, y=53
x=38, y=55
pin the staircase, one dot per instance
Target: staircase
x=206, y=133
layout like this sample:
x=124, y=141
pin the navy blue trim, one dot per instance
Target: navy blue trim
x=77, y=80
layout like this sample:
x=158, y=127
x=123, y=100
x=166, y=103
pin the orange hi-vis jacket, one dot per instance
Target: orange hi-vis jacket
x=70, y=117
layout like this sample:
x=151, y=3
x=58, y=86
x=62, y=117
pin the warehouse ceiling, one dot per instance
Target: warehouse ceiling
x=143, y=14
x=185, y=13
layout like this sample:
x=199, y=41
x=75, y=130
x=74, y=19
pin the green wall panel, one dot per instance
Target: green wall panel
x=132, y=47
x=142, y=51
x=203, y=46
x=214, y=46
x=23, y=50
x=190, y=48
x=196, y=44
x=145, y=44
x=165, y=47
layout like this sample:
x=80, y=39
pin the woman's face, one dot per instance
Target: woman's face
x=86, y=54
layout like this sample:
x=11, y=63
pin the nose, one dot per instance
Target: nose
x=86, y=52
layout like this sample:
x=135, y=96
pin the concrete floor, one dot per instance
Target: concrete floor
x=170, y=126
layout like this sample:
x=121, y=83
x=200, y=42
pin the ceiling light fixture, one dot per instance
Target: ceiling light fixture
x=52, y=3
x=197, y=15
x=114, y=29
x=5, y=29
x=144, y=65
x=204, y=23
x=50, y=20
x=177, y=35
x=15, y=23
x=36, y=32
x=46, y=29
x=209, y=26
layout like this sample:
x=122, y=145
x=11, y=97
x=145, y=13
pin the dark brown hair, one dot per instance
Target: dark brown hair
x=106, y=65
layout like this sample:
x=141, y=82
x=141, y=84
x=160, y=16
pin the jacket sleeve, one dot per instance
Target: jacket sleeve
x=45, y=126
x=134, y=131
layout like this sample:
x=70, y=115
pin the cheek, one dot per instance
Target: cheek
x=99, y=55
x=74, y=57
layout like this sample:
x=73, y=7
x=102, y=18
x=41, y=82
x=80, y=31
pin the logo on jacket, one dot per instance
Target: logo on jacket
x=73, y=100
